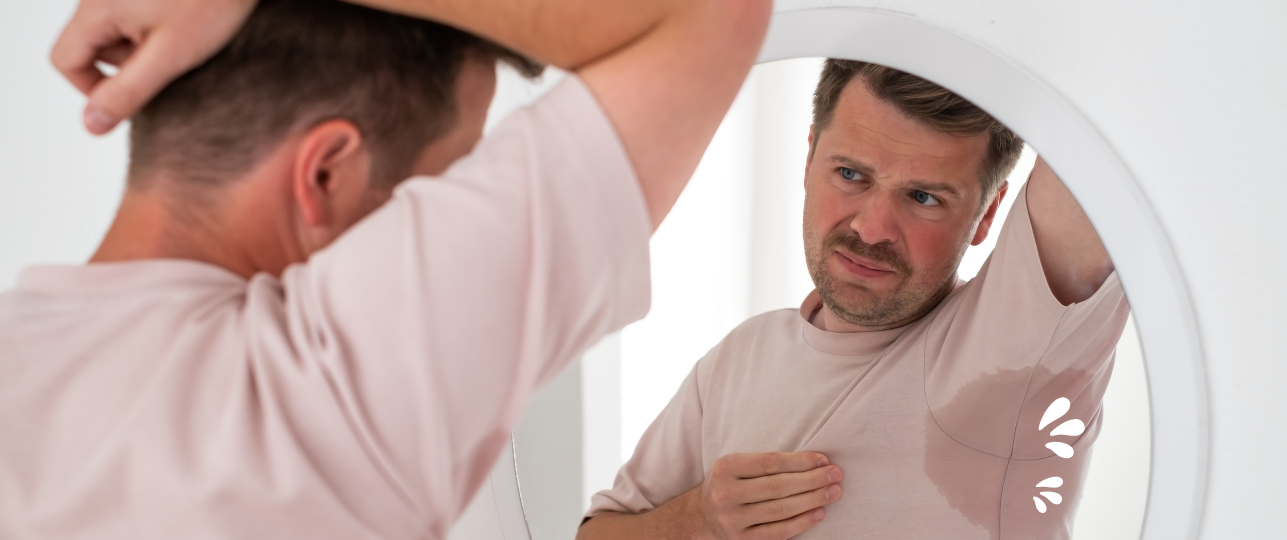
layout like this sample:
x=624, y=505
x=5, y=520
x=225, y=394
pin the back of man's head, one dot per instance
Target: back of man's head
x=925, y=102
x=296, y=64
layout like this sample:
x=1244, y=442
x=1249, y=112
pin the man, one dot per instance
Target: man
x=273, y=341
x=896, y=401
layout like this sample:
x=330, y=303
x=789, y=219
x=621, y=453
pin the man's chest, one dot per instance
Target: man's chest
x=786, y=403
x=901, y=470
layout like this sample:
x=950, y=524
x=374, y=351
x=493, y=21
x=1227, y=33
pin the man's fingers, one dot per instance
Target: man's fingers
x=787, y=528
x=780, y=509
x=150, y=67
x=153, y=41
x=777, y=486
x=145, y=67
x=769, y=463
x=76, y=51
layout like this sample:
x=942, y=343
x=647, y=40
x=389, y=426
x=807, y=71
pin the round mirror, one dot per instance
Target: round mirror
x=733, y=248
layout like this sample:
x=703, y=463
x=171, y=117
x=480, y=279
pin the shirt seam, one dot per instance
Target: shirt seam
x=601, y=189
x=343, y=401
x=804, y=336
x=1027, y=388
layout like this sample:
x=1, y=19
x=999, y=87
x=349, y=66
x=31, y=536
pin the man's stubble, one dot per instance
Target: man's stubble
x=918, y=292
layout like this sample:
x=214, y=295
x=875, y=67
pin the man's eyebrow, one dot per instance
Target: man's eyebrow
x=921, y=185
x=938, y=187
x=855, y=165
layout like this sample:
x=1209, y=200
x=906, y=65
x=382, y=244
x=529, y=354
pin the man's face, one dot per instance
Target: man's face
x=890, y=207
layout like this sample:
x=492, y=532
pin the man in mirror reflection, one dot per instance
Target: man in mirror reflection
x=898, y=401
x=326, y=297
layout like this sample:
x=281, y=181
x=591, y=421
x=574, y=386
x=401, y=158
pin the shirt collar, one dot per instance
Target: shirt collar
x=844, y=343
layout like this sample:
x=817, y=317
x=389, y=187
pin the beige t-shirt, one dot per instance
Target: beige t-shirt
x=938, y=425
x=365, y=394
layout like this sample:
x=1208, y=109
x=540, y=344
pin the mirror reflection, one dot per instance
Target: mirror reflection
x=898, y=316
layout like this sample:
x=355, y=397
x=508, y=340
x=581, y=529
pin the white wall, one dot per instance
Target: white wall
x=58, y=185
x=782, y=95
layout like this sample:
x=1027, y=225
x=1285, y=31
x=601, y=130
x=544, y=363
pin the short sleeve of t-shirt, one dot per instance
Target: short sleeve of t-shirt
x=667, y=460
x=435, y=318
x=1002, y=350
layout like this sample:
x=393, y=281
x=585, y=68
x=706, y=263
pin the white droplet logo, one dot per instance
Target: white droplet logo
x=1072, y=428
x=1054, y=498
x=1057, y=409
x=1060, y=449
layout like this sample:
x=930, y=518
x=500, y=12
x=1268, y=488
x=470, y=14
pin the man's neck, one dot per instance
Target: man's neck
x=148, y=226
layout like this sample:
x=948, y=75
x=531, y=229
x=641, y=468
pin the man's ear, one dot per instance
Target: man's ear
x=985, y=224
x=330, y=168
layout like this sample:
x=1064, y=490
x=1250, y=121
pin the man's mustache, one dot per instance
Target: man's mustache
x=880, y=253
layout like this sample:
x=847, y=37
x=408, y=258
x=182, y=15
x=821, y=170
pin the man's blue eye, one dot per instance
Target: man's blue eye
x=848, y=174
x=925, y=198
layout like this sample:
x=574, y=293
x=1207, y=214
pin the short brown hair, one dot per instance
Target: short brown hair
x=923, y=101
x=296, y=64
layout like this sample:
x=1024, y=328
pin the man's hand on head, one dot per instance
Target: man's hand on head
x=152, y=42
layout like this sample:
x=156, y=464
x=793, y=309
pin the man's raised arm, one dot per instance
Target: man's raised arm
x=1072, y=256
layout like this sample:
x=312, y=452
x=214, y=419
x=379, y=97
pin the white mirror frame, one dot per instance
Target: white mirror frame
x=1100, y=182
x=508, y=496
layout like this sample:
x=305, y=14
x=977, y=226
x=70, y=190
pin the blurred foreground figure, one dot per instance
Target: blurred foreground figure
x=280, y=337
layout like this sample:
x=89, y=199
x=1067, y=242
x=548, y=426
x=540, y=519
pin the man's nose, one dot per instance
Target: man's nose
x=875, y=221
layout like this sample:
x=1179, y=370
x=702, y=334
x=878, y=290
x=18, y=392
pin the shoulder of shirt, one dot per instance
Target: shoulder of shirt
x=776, y=319
x=766, y=325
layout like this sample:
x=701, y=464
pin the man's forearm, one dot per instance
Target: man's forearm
x=678, y=518
x=565, y=33
x=1072, y=255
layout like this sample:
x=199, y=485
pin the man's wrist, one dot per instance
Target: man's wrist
x=693, y=516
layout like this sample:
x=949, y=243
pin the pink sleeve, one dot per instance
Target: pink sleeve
x=436, y=317
x=667, y=462
x=1002, y=352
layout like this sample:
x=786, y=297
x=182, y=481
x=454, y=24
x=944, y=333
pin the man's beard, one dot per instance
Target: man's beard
x=914, y=296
